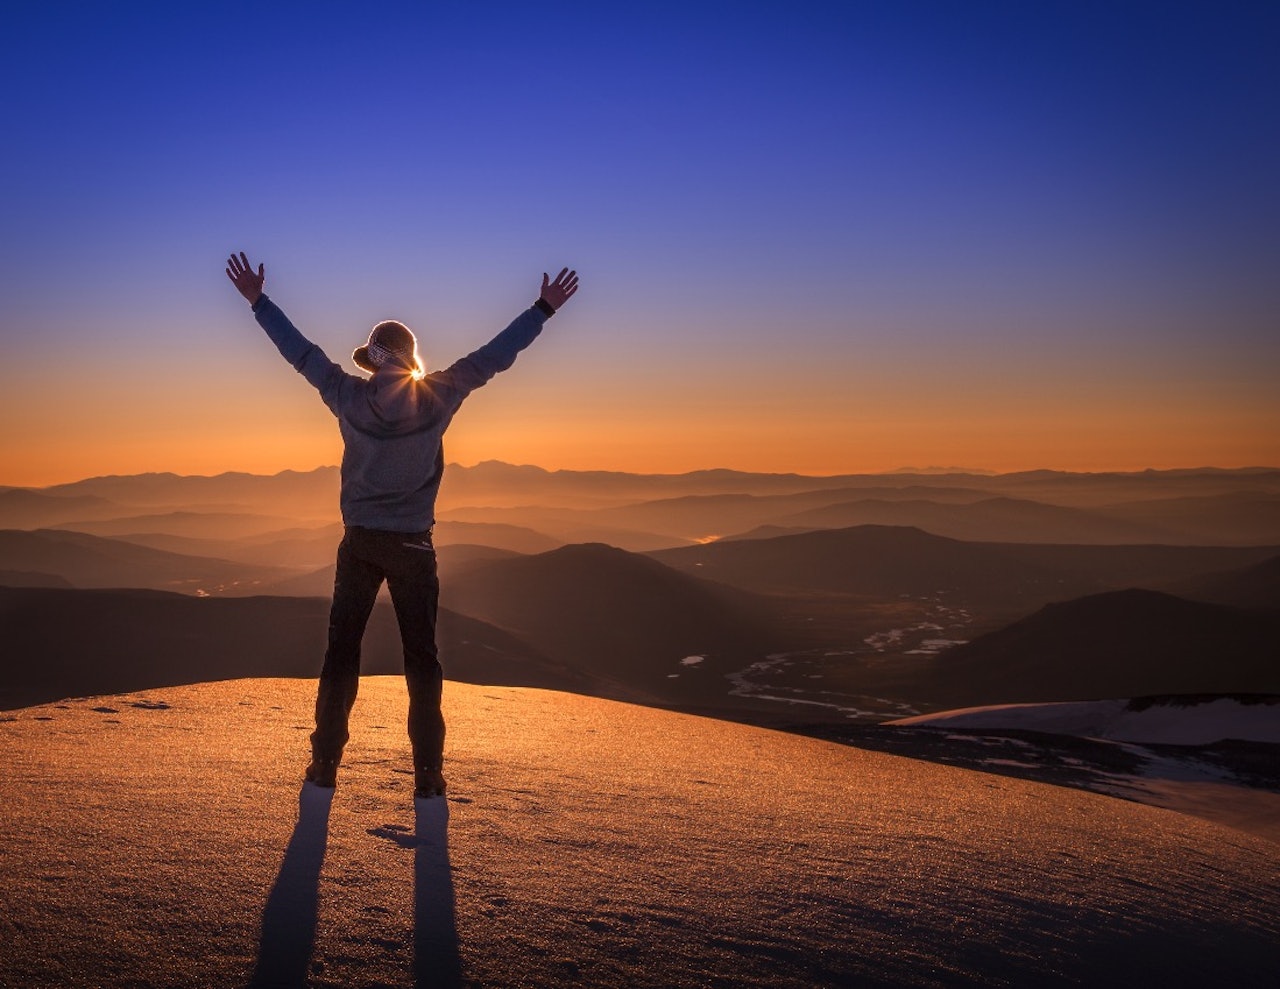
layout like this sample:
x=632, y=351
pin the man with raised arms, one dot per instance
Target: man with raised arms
x=392, y=424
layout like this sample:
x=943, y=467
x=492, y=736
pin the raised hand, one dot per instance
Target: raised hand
x=246, y=282
x=556, y=293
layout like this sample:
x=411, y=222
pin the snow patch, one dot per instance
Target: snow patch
x=1200, y=723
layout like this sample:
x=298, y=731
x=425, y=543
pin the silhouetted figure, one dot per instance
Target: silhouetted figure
x=392, y=425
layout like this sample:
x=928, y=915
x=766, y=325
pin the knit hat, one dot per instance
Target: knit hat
x=389, y=341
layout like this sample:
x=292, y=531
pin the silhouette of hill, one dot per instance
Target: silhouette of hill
x=1256, y=586
x=497, y=484
x=80, y=642
x=1236, y=518
x=616, y=614
x=565, y=525
x=1131, y=643
x=516, y=538
x=91, y=561
x=452, y=560
x=506, y=485
x=315, y=547
x=293, y=547
x=988, y=520
x=1098, y=490
x=694, y=517
x=767, y=532
x=28, y=578
x=25, y=509
x=313, y=493
x=218, y=526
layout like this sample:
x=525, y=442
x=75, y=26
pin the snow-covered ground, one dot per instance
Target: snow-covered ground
x=1213, y=757
x=1169, y=722
x=164, y=840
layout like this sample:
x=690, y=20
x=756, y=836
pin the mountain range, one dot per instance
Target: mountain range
x=800, y=615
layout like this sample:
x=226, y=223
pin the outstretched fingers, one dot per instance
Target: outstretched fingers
x=567, y=282
x=243, y=278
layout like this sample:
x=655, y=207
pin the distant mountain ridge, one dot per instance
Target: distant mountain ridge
x=893, y=560
x=508, y=482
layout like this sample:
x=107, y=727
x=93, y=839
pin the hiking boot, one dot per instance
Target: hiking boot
x=323, y=772
x=428, y=782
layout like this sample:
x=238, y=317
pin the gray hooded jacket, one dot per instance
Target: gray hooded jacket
x=392, y=424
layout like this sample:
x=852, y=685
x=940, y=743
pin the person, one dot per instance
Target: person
x=392, y=424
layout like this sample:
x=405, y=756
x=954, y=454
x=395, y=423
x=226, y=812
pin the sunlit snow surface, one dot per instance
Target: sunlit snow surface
x=587, y=843
x=1214, y=757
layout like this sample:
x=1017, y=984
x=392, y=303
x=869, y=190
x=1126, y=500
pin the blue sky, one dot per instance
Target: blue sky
x=807, y=226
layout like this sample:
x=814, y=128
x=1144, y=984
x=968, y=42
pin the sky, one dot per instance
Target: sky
x=815, y=237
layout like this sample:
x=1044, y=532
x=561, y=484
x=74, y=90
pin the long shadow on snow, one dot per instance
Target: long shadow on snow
x=289, y=918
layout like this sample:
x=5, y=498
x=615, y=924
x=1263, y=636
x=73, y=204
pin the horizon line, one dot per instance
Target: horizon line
x=930, y=471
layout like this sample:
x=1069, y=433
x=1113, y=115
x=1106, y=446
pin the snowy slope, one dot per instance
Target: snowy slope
x=164, y=840
x=1168, y=721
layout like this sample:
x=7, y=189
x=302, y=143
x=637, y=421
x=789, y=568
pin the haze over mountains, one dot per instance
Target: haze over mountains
x=774, y=597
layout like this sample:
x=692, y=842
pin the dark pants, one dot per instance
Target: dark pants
x=407, y=562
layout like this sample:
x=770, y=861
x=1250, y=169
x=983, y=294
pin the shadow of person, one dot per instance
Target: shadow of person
x=435, y=934
x=289, y=918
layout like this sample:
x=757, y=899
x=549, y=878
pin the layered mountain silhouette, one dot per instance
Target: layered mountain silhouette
x=315, y=547
x=93, y=561
x=867, y=610
x=894, y=561
x=24, y=509
x=986, y=520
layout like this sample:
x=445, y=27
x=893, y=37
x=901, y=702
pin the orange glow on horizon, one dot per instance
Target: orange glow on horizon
x=865, y=448
x=261, y=420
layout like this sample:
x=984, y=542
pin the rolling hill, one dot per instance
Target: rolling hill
x=92, y=561
x=61, y=643
x=618, y=614
x=1129, y=643
x=1256, y=586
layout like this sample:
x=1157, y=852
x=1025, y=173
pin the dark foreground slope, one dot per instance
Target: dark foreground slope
x=70, y=643
x=585, y=843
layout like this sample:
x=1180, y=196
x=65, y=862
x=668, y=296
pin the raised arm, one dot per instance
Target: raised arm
x=556, y=294
x=307, y=359
x=500, y=353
